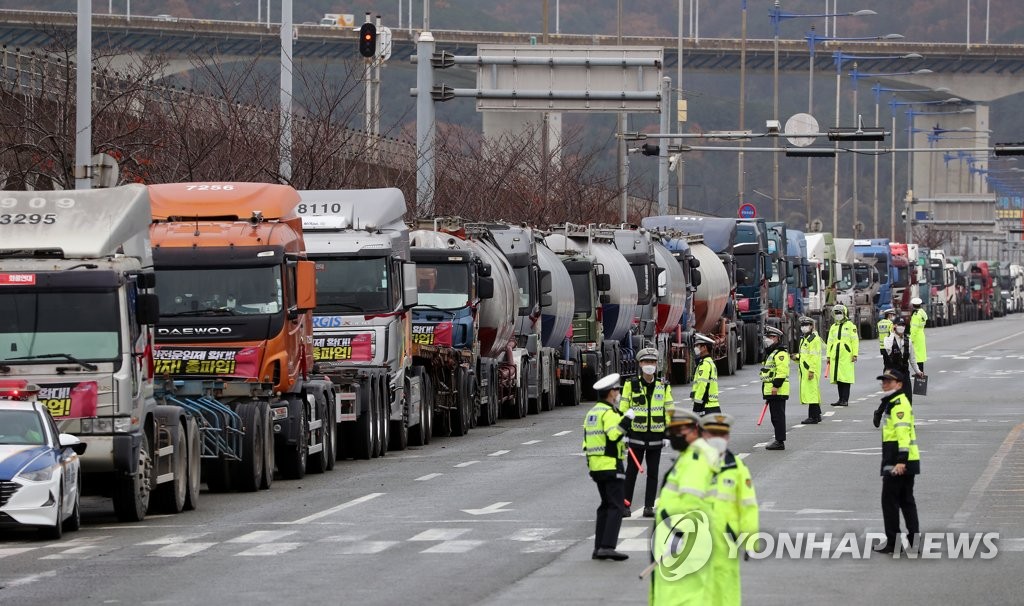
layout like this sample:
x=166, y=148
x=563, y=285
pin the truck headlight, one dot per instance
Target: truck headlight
x=123, y=424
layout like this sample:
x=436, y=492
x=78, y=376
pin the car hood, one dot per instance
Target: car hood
x=14, y=458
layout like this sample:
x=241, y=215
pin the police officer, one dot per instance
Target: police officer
x=775, y=383
x=918, y=319
x=901, y=354
x=650, y=399
x=705, y=377
x=809, y=368
x=843, y=346
x=734, y=513
x=884, y=330
x=684, y=493
x=901, y=460
x=603, y=431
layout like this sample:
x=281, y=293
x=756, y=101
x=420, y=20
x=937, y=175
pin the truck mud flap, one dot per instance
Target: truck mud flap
x=126, y=447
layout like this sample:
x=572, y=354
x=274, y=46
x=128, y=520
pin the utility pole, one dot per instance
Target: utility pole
x=740, y=176
x=285, y=143
x=623, y=182
x=425, y=178
x=83, y=102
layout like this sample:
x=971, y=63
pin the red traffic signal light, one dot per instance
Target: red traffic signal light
x=368, y=40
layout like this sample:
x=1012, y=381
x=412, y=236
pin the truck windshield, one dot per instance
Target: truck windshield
x=359, y=285
x=581, y=289
x=882, y=266
x=84, y=325
x=746, y=270
x=937, y=275
x=846, y=281
x=812, y=282
x=523, y=278
x=212, y=291
x=863, y=275
x=444, y=285
x=901, y=276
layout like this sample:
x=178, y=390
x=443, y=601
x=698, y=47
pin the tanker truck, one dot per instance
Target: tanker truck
x=638, y=250
x=672, y=292
x=76, y=280
x=365, y=284
x=584, y=250
x=556, y=326
x=237, y=295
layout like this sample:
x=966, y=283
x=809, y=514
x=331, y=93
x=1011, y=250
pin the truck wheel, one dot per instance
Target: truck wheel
x=268, y=447
x=192, y=443
x=547, y=398
x=330, y=431
x=399, y=435
x=383, y=418
x=739, y=350
x=319, y=462
x=169, y=497
x=293, y=459
x=751, y=339
x=248, y=472
x=131, y=493
x=731, y=369
x=364, y=424
x=419, y=435
x=458, y=418
x=487, y=416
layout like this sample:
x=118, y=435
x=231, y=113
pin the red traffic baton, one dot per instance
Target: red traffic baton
x=632, y=455
x=763, y=410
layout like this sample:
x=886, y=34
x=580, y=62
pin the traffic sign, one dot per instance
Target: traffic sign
x=747, y=211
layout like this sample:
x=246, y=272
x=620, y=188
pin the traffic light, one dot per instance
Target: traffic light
x=368, y=40
x=649, y=149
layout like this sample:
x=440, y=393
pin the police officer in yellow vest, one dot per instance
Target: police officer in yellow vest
x=901, y=460
x=734, y=514
x=884, y=330
x=843, y=346
x=603, y=431
x=705, y=377
x=775, y=383
x=650, y=398
x=682, y=543
x=808, y=364
x=918, y=320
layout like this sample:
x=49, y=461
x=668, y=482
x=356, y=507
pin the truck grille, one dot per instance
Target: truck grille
x=7, y=490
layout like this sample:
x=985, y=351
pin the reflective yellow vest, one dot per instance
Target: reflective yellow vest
x=884, y=329
x=705, y=384
x=652, y=416
x=918, y=319
x=602, y=438
x=775, y=366
x=734, y=514
x=899, y=436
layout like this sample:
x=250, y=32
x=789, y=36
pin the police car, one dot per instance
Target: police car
x=40, y=470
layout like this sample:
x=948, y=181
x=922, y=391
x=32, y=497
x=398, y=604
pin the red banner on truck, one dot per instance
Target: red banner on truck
x=439, y=334
x=17, y=279
x=69, y=400
x=356, y=348
x=219, y=362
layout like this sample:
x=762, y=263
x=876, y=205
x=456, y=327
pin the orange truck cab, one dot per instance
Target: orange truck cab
x=237, y=295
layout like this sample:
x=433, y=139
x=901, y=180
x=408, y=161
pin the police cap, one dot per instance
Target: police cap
x=647, y=353
x=916, y=302
x=899, y=322
x=771, y=331
x=888, y=311
x=684, y=418
x=805, y=320
x=607, y=382
x=702, y=339
x=718, y=421
x=893, y=374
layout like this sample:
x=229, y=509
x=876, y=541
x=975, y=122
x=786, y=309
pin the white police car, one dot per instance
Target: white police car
x=40, y=471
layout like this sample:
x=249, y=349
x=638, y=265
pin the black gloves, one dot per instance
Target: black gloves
x=877, y=417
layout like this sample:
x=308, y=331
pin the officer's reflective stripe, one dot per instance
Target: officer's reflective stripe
x=684, y=490
x=595, y=450
x=902, y=424
x=748, y=502
x=702, y=380
x=904, y=450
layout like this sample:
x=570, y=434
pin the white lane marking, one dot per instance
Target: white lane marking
x=270, y=549
x=531, y=442
x=174, y=539
x=981, y=485
x=429, y=476
x=467, y=464
x=261, y=536
x=498, y=453
x=561, y=433
x=634, y=545
x=75, y=553
x=32, y=578
x=344, y=538
x=990, y=343
x=10, y=551
x=743, y=455
x=180, y=550
x=632, y=532
x=337, y=508
x=453, y=547
x=532, y=534
x=797, y=426
x=829, y=413
x=440, y=534
x=549, y=546
x=364, y=547
x=492, y=508
x=760, y=444
x=639, y=513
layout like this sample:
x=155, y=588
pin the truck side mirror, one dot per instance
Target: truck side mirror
x=694, y=262
x=145, y=280
x=410, y=295
x=767, y=262
x=485, y=287
x=605, y=299
x=695, y=278
x=545, y=282
x=546, y=300
x=305, y=275
x=147, y=309
x=603, y=282
x=484, y=270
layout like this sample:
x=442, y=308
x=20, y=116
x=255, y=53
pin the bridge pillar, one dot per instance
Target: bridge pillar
x=935, y=174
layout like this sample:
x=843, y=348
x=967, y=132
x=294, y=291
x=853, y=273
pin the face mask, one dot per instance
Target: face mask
x=648, y=370
x=900, y=329
x=838, y=316
x=886, y=394
x=719, y=444
x=697, y=351
x=677, y=442
x=768, y=341
x=806, y=329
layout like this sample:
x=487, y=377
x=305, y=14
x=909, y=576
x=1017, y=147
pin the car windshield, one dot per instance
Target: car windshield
x=360, y=285
x=211, y=291
x=444, y=285
x=84, y=325
x=21, y=427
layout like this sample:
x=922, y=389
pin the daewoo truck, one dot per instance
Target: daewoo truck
x=77, y=311
x=366, y=285
x=237, y=297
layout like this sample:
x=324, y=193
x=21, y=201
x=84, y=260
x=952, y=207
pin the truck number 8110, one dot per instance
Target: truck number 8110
x=322, y=209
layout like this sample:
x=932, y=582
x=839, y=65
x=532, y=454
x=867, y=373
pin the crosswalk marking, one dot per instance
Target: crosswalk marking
x=180, y=550
x=75, y=553
x=364, y=547
x=429, y=476
x=546, y=546
x=532, y=534
x=173, y=539
x=531, y=442
x=440, y=534
x=634, y=545
x=561, y=433
x=270, y=549
x=453, y=547
x=467, y=464
x=10, y=551
x=262, y=536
